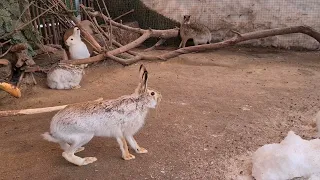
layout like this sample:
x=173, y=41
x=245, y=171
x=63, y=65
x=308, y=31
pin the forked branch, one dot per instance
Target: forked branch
x=244, y=37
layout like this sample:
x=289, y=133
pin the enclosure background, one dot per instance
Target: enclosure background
x=221, y=16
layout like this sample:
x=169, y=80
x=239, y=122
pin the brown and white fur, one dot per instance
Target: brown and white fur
x=196, y=31
x=120, y=118
x=65, y=76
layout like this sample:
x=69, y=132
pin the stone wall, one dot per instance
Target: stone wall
x=247, y=16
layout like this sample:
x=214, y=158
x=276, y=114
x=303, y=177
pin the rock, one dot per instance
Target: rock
x=293, y=157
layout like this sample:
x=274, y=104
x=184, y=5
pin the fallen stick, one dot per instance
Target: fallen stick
x=36, y=110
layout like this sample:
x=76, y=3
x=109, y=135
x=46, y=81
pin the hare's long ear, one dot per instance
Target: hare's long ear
x=143, y=74
x=76, y=32
x=144, y=80
x=142, y=68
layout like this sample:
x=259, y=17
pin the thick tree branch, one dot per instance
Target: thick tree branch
x=230, y=42
x=243, y=37
x=131, y=45
x=125, y=62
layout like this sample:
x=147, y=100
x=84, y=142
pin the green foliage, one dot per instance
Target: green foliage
x=20, y=38
x=9, y=14
x=5, y=14
x=15, y=12
x=6, y=4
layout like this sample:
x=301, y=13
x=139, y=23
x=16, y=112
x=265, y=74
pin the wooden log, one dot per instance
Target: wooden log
x=35, y=111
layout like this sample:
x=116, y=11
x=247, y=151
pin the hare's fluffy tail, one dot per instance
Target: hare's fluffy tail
x=47, y=136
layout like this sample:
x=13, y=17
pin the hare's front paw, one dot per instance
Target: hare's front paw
x=128, y=156
x=88, y=160
x=141, y=150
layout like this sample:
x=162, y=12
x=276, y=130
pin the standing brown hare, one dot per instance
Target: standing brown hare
x=196, y=31
x=75, y=125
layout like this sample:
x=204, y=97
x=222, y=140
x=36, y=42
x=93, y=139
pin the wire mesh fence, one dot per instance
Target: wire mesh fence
x=52, y=26
x=220, y=16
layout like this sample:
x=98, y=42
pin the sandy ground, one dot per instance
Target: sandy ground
x=218, y=107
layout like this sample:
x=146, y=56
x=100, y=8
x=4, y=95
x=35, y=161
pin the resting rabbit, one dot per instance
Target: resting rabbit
x=77, y=48
x=120, y=118
x=65, y=76
x=198, y=32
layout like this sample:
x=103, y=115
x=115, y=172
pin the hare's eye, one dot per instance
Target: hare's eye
x=71, y=39
x=152, y=93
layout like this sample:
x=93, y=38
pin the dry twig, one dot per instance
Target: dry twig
x=124, y=14
x=5, y=53
x=35, y=111
x=4, y=43
x=95, y=24
x=108, y=14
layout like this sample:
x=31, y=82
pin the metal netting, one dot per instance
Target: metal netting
x=221, y=16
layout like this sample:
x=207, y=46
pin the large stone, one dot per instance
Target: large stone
x=293, y=157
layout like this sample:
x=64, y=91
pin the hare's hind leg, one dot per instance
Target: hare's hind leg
x=68, y=154
x=65, y=146
x=124, y=149
x=196, y=43
x=133, y=143
x=180, y=46
x=183, y=43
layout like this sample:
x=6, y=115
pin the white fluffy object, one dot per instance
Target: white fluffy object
x=293, y=157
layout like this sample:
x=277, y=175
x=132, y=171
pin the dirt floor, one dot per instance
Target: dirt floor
x=218, y=107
